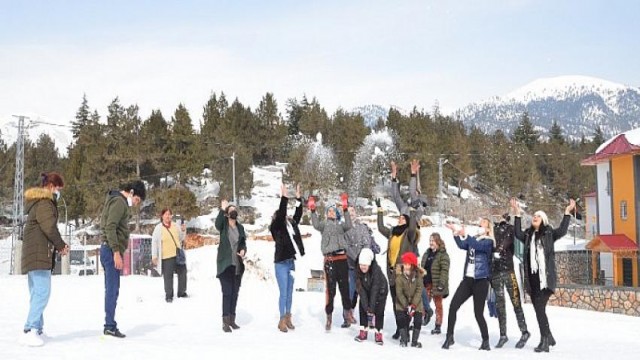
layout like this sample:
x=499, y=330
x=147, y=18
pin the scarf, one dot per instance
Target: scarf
x=536, y=257
x=399, y=230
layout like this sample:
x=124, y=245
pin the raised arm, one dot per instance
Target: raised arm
x=564, y=225
x=381, y=228
x=315, y=221
x=297, y=215
x=517, y=220
x=395, y=190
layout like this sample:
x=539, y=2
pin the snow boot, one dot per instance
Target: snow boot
x=378, y=337
x=543, y=346
x=485, y=345
x=226, y=327
x=362, y=336
x=503, y=340
x=523, y=340
x=232, y=322
x=414, y=338
x=427, y=316
x=287, y=321
x=404, y=337
x=396, y=335
x=282, y=325
x=327, y=325
x=552, y=341
x=448, y=342
x=436, y=330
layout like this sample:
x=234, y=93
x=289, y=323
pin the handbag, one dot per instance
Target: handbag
x=181, y=257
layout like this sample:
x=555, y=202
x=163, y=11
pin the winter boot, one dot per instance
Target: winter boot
x=414, y=338
x=226, y=324
x=396, y=335
x=427, y=316
x=327, y=325
x=523, y=340
x=287, y=321
x=436, y=330
x=485, y=345
x=378, y=336
x=404, y=337
x=543, y=346
x=282, y=324
x=362, y=336
x=448, y=342
x=503, y=340
x=232, y=322
x=552, y=341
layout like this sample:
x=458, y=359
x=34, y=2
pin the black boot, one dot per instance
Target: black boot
x=396, y=335
x=232, y=322
x=503, y=340
x=404, y=337
x=427, y=316
x=436, y=330
x=523, y=340
x=485, y=345
x=448, y=342
x=552, y=341
x=543, y=346
x=226, y=327
x=414, y=338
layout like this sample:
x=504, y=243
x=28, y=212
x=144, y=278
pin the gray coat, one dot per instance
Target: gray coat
x=356, y=239
x=332, y=233
x=414, y=198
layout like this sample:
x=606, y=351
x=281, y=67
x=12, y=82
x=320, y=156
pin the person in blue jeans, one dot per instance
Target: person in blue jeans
x=114, y=224
x=284, y=231
x=40, y=242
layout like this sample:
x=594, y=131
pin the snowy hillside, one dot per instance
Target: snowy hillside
x=577, y=103
x=36, y=125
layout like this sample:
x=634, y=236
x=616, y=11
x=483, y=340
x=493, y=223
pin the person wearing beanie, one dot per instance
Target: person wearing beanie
x=503, y=276
x=402, y=238
x=539, y=263
x=475, y=282
x=372, y=288
x=408, y=305
x=336, y=268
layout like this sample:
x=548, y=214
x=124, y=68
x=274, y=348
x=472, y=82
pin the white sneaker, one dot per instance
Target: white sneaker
x=31, y=338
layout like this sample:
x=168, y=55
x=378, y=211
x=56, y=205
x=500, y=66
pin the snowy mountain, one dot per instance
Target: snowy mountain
x=372, y=113
x=35, y=126
x=577, y=103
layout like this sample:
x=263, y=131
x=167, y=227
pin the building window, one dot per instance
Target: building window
x=623, y=210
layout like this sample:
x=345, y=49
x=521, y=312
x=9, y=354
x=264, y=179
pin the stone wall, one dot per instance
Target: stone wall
x=573, y=267
x=617, y=300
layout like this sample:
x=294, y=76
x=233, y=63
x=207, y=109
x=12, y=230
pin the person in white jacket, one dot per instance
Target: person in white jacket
x=167, y=238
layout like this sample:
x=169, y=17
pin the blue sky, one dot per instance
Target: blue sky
x=346, y=53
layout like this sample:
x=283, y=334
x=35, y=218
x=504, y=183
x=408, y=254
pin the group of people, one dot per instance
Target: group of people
x=349, y=252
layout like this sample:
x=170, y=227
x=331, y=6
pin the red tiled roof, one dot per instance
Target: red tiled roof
x=615, y=242
x=618, y=146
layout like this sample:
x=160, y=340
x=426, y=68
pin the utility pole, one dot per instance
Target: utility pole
x=18, y=202
x=233, y=162
x=441, y=162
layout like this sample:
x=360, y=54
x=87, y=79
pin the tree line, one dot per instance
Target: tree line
x=171, y=154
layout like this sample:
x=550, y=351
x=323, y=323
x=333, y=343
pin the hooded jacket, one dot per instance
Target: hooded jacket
x=548, y=239
x=284, y=247
x=409, y=289
x=439, y=271
x=115, y=221
x=41, y=235
x=332, y=233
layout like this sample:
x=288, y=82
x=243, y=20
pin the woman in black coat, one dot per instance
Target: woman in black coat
x=539, y=258
x=284, y=230
x=372, y=288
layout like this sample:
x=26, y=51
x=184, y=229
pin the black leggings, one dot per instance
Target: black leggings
x=378, y=311
x=540, y=299
x=336, y=273
x=478, y=288
x=230, y=283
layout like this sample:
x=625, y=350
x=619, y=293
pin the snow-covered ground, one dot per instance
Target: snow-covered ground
x=191, y=328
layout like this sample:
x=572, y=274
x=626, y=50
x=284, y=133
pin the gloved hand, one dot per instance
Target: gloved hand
x=370, y=316
x=344, y=197
x=378, y=202
x=411, y=309
x=311, y=203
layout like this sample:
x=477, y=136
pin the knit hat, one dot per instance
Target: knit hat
x=410, y=258
x=543, y=217
x=366, y=257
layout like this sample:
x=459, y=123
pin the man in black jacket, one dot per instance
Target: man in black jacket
x=503, y=275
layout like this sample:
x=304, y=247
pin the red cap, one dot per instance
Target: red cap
x=410, y=258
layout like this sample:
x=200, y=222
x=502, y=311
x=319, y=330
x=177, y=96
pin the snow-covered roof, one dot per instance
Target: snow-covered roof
x=625, y=143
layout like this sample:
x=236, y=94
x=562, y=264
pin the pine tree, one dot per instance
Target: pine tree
x=598, y=137
x=555, y=134
x=182, y=140
x=272, y=132
x=525, y=133
x=345, y=136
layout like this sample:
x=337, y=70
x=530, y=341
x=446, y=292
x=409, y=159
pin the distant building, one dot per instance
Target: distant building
x=617, y=199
